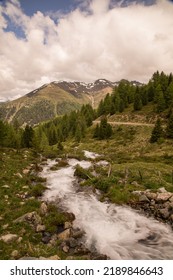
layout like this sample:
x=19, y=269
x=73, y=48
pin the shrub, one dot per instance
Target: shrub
x=37, y=190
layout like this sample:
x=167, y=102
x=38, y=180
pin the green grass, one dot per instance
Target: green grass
x=134, y=162
x=14, y=204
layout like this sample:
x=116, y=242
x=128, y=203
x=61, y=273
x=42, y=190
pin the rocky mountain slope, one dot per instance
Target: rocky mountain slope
x=53, y=99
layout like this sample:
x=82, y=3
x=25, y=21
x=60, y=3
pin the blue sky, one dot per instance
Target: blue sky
x=31, y=6
x=47, y=5
x=83, y=40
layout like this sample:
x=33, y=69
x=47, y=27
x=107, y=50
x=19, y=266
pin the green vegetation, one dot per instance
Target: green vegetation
x=139, y=157
x=20, y=188
x=103, y=130
x=157, y=132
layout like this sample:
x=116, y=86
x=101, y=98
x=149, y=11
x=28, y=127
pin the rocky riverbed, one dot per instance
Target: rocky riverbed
x=158, y=204
x=117, y=232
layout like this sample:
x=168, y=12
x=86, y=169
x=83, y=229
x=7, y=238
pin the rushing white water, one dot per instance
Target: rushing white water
x=91, y=155
x=119, y=232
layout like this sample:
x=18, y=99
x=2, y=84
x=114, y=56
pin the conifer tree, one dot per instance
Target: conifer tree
x=169, y=94
x=104, y=130
x=78, y=134
x=169, y=128
x=96, y=131
x=161, y=106
x=27, y=137
x=137, y=100
x=157, y=132
x=52, y=134
x=3, y=133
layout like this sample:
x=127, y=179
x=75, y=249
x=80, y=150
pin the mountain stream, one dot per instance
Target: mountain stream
x=116, y=231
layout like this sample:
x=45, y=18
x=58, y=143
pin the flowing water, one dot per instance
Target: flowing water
x=116, y=231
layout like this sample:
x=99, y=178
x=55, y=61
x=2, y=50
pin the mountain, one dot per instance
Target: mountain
x=54, y=99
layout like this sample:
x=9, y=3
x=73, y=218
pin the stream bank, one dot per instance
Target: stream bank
x=117, y=232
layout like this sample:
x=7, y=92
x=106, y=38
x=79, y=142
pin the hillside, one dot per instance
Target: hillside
x=56, y=98
x=53, y=99
x=115, y=154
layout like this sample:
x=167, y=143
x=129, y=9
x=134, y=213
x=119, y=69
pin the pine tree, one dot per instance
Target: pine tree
x=78, y=134
x=169, y=94
x=100, y=110
x=150, y=92
x=137, y=100
x=105, y=129
x=3, y=133
x=52, y=134
x=157, y=132
x=96, y=131
x=161, y=106
x=27, y=137
x=169, y=128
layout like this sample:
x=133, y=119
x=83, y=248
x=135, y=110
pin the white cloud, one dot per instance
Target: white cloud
x=130, y=42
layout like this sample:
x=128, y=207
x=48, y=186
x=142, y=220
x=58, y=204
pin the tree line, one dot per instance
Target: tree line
x=50, y=133
x=158, y=92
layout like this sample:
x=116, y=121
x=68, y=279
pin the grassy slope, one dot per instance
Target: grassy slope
x=43, y=105
x=133, y=159
x=14, y=205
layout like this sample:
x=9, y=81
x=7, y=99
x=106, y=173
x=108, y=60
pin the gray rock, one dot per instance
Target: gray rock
x=5, y=187
x=31, y=217
x=164, y=213
x=65, y=234
x=72, y=243
x=43, y=208
x=81, y=250
x=5, y=226
x=78, y=234
x=67, y=225
x=162, y=197
x=53, y=240
x=65, y=249
x=8, y=238
x=171, y=217
x=162, y=190
x=143, y=198
x=171, y=199
x=40, y=228
x=19, y=175
x=170, y=205
x=134, y=183
x=25, y=187
x=15, y=254
x=151, y=195
x=19, y=239
x=138, y=193
x=25, y=171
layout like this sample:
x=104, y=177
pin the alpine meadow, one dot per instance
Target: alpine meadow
x=86, y=130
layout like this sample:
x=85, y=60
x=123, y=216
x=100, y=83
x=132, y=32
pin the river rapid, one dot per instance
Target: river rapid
x=116, y=231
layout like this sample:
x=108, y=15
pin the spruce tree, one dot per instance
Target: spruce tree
x=169, y=128
x=78, y=134
x=137, y=100
x=96, y=131
x=104, y=130
x=161, y=106
x=27, y=137
x=3, y=133
x=157, y=132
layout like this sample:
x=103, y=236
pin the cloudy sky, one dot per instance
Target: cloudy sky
x=47, y=40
